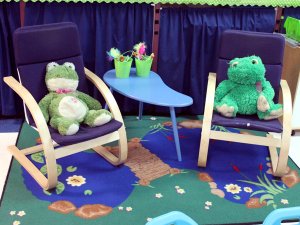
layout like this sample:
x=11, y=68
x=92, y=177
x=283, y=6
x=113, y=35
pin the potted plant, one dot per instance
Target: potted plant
x=143, y=62
x=122, y=62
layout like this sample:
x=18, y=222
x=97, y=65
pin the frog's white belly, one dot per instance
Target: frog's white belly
x=70, y=107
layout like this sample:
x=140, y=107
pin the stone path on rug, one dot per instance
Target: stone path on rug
x=144, y=164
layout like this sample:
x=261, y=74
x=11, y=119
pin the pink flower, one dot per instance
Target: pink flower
x=142, y=49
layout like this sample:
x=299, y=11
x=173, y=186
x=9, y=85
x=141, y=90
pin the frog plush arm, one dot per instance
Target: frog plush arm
x=91, y=103
x=44, y=105
x=268, y=90
x=265, y=97
x=223, y=88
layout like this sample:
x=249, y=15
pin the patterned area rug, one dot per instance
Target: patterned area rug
x=237, y=185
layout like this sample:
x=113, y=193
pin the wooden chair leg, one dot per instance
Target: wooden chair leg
x=45, y=183
x=204, y=145
x=123, y=149
x=279, y=162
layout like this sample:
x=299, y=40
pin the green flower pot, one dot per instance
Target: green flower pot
x=123, y=68
x=143, y=67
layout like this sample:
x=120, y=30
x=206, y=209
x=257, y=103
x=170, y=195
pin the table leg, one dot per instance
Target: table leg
x=140, y=110
x=175, y=131
x=106, y=106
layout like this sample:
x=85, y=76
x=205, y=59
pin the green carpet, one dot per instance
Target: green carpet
x=149, y=185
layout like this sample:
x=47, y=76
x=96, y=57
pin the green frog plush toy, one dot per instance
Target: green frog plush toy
x=246, y=91
x=65, y=106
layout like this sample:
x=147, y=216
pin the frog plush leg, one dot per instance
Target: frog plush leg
x=274, y=111
x=227, y=106
x=64, y=126
x=97, y=117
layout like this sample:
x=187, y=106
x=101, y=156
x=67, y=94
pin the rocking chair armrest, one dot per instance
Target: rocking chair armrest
x=210, y=95
x=44, y=133
x=106, y=93
x=287, y=105
x=33, y=107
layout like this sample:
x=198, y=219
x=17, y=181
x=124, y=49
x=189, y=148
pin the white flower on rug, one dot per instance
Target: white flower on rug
x=76, y=180
x=16, y=222
x=149, y=219
x=158, y=195
x=248, y=189
x=233, y=188
x=284, y=201
x=120, y=208
x=208, y=203
x=206, y=207
x=12, y=213
x=128, y=209
x=180, y=191
x=152, y=118
x=177, y=187
x=21, y=213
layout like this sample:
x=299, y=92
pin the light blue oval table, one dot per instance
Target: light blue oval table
x=151, y=90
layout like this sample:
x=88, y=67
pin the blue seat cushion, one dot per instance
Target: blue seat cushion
x=85, y=133
x=248, y=122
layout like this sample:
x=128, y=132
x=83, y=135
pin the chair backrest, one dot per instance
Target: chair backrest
x=268, y=46
x=36, y=46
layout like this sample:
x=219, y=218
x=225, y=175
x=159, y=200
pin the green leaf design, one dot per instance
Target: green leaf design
x=60, y=188
x=47, y=192
x=251, y=182
x=277, y=186
x=38, y=157
x=270, y=189
x=237, y=197
x=44, y=169
x=270, y=202
x=88, y=192
x=71, y=169
x=271, y=185
x=265, y=197
x=258, y=192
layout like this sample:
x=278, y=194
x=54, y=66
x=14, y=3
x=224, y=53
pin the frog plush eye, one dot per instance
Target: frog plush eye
x=254, y=61
x=51, y=65
x=70, y=65
x=234, y=64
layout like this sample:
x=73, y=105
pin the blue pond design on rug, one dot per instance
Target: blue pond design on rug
x=236, y=172
x=240, y=171
x=94, y=181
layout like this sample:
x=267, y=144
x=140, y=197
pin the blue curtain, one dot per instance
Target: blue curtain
x=189, y=41
x=101, y=26
x=10, y=105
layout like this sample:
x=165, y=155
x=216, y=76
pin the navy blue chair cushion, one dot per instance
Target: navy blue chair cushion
x=270, y=48
x=247, y=122
x=85, y=133
x=48, y=42
x=35, y=47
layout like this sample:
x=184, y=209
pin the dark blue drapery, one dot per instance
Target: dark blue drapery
x=187, y=46
x=189, y=41
x=101, y=26
x=9, y=21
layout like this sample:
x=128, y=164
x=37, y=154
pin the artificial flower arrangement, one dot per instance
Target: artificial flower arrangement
x=140, y=52
x=143, y=62
x=115, y=54
x=123, y=62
